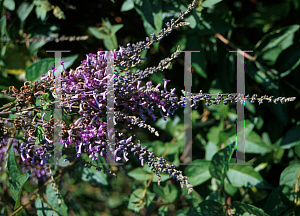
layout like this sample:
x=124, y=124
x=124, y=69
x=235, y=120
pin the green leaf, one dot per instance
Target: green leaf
x=9, y=4
x=289, y=175
x=149, y=197
x=110, y=43
x=163, y=210
x=261, y=76
x=39, y=134
x=197, y=174
x=139, y=174
x=219, y=163
x=213, y=196
x=35, y=70
x=115, y=201
x=274, y=205
x=210, y=150
x=127, y=5
x=42, y=6
x=35, y=46
x=250, y=106
x=46, y=96
x=191, y=19
x=255, y=144
x=136, y=201
x=209, y=3
x=29, y=187
x=16, y=187
x=24, y=10
x=41, y=13
x=97, y=33
x=151, y=14
x=212, y=24
x=288, y=59
x=272, y=54
x=92, y=175
x=291, y=138
x=231, y=190
x=115, y=28
x=42, y=209
x=273, y=39
x=3, y=26
x=158, y=190
x=207, y=207
x=182, y=212
x=107, y=33
x=287, y=196
x=145, y=10
x=12, y=165
x=213, y=134
x=52, y=200
x=242, y=208
x=245, y=176
x=172, y=148
x=170, y=192
x=297, y=150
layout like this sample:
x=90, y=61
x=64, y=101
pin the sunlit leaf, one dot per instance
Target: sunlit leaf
x=289, y=175
x=197, y=174
x=9, y=4
x=209, y=3
x=24, y=10
x=127, y=5
x=52, y=199
x=245, y=176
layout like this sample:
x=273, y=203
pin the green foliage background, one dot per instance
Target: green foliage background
x=269, y=28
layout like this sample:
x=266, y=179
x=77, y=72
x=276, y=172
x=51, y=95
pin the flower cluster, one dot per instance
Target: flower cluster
x=86, y=91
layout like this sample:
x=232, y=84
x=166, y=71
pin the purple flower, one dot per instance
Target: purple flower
x=165, y=84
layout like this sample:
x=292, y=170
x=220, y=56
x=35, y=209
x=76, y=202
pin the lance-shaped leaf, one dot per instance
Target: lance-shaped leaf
x=16, y=187
x=12, y=165
x=273, y=39
x=291, y=138
x=35, y=70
